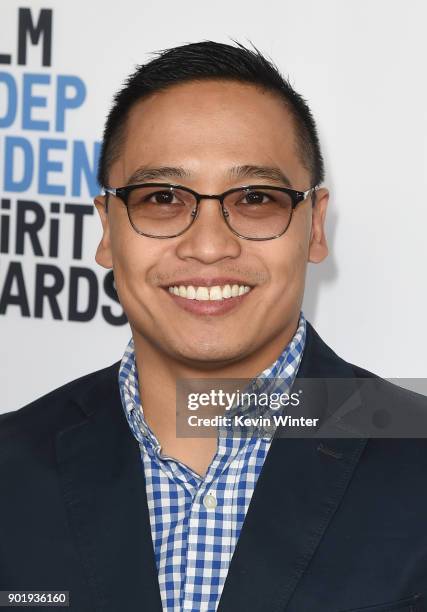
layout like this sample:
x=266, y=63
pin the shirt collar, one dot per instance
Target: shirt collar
x=282, y=371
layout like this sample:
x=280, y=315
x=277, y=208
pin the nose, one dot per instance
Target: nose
x=209, y=239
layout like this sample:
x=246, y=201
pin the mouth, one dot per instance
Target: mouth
x=209, y=296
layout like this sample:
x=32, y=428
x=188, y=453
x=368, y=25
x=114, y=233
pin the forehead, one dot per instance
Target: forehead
x=220, y=122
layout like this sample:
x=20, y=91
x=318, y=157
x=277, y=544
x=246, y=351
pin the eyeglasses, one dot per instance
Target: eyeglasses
x=253, y=212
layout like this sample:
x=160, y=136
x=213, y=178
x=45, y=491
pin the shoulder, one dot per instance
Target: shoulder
x=385, y=411
x=395, y=419
x=328, y=364
x=51, y=409
x=378, y=387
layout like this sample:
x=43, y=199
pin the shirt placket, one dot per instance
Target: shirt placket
x=207, y=512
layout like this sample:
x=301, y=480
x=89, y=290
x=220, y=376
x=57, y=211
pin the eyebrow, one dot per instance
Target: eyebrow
x=147, y=173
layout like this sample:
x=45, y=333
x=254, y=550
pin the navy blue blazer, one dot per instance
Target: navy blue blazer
x=334, y=524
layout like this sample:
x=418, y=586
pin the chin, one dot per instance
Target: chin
x=213, y=353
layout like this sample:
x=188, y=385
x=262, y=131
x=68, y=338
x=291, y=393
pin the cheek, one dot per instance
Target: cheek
x=131, y=259
x=127, y=260
x=287, y=264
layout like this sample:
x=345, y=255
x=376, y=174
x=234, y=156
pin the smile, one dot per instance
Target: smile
x=203, y=293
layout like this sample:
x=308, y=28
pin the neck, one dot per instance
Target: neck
x=158, y=373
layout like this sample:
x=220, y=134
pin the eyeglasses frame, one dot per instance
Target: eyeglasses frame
x=297, y=197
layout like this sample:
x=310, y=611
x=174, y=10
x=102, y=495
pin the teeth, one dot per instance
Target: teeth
x=191, y=293
x=209, y=293
x=226, y=292
x=202, y=293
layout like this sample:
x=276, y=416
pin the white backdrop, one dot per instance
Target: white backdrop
x=360, y=65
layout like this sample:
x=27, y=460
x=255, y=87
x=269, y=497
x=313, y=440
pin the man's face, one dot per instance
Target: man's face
x=207, y=128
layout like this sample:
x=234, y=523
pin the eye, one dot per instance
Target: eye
x=161, y=197
x=256, y=197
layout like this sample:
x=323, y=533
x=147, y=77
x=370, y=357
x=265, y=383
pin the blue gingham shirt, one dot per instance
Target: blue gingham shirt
x=195, y=520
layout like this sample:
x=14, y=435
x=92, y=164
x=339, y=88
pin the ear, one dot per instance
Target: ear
x=318, y=248
x=103, y=253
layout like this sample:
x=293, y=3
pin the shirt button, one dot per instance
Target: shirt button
x=209, y=501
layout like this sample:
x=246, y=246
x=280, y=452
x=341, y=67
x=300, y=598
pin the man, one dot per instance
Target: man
x=211, y=168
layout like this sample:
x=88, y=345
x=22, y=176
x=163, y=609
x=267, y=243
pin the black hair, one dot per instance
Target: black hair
x=209, y=60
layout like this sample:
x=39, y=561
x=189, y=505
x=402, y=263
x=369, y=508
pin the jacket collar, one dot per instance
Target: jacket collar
x=103, y=486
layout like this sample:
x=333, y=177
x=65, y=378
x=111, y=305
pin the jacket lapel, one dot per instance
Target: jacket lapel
x=300, y=487
x=103, y=487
